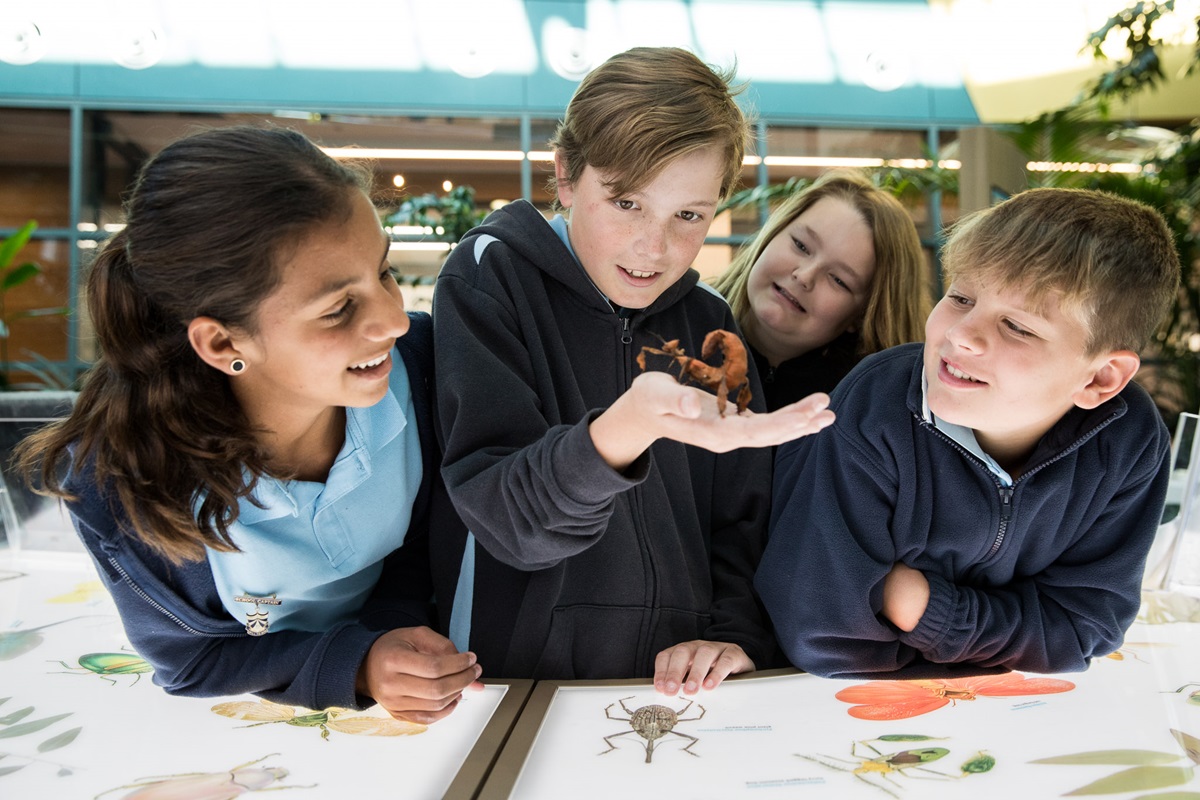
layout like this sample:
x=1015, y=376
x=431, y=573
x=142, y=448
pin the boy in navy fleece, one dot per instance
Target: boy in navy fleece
x=987, y=500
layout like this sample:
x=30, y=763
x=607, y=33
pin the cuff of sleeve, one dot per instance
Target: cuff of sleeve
x=340, y=657
x=596, y=482
x=935, y=622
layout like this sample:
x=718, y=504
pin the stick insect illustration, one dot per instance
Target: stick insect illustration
x=652, y=722
x=227, y=785
x=728, y=378
x=883, y=700
x=342, y=720
x=883, y=766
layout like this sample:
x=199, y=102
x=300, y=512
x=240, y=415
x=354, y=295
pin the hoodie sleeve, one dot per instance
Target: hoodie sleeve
x=531, y=493
x=172, y=618
x=821, y=576
x=1077, y=607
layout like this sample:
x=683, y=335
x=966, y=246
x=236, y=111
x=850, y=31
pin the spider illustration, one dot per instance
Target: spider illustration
x=652, y=722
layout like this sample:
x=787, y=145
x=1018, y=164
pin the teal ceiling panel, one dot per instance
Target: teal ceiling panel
x=38, y=81
x=304, y=88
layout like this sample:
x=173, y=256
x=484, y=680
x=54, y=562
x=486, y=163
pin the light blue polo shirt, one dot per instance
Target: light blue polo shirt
x=963, y=435
x=319, y=547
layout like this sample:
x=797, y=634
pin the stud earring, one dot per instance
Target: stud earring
x=237, y=365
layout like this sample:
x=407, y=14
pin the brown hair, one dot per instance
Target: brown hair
x=1112, y=259
x=208, y=222
x=641, y=109
x=899, y=299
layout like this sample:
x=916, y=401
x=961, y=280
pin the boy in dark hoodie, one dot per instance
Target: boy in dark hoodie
x=614, y=523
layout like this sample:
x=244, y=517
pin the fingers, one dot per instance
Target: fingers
x=692, y=666
x=413, y=675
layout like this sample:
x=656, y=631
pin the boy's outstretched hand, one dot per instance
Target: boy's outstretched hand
x=698, y=664
x=416, y=674
x=656, y=406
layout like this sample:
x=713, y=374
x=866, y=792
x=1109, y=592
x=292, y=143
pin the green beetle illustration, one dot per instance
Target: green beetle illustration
x=106, y=664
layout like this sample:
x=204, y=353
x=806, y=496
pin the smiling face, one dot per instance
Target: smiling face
x=633, y=247
x=324, y=337
x=1007, y=369
x=811, y=282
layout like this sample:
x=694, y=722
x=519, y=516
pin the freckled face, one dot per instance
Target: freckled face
x=634, y=247
x=995, y=365
x=811, y=282
x=324, y=337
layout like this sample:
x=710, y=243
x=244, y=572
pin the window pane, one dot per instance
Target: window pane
x=35, y=150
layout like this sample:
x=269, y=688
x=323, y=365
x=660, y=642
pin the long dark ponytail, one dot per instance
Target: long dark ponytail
x=208, y=221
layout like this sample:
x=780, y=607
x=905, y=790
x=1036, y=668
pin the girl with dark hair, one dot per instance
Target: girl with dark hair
x=251, y=461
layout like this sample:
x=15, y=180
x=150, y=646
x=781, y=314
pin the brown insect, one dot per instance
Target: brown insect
x=652, y=723
x=725, y=379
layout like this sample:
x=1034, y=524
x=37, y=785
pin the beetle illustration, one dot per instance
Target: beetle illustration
x=726, y=379
x=105, y=664
x=1193, y=698
x=884, y=766
x=883, y=700
x=342, y=720
x=208, y=785
x=652, y=722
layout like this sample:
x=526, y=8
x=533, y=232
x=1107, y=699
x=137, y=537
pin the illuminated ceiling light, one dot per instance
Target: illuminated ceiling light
x=566, y=49
x=447, y=186
x=21, y=42
x=139, y=48
x=1082, y=166
x=474, y=60
x=398, y=181
x=886, y=69
x=822, y=161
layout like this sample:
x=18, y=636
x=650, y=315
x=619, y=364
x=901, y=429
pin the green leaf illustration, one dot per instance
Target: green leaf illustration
x=16, y=716
x=907, y=737
x=9, y=770
x=15, y=643
x=1190, y=744
x=32, y=727
x=1117, y=757
x=1135, y=778
x=1170, y=796
x=61, y=740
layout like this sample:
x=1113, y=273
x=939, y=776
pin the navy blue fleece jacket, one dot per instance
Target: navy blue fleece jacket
x=1039, y=576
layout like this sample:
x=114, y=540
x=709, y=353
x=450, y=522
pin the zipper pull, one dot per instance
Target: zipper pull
x=1006, y=495
x=626, y=336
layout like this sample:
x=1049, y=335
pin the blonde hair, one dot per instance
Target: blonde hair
x=899, y=299
x=1112, y=259
x=642, y=109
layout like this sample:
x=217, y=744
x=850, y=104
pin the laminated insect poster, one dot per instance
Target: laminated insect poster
x=81, y=717
x=1128, y=727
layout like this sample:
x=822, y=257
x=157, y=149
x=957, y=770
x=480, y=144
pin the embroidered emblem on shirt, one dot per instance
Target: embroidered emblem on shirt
x=256, y=620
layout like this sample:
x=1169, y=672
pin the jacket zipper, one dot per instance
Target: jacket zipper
x=635, y=494
x=159, y=606
x=1006, y=495
x=1006, y=492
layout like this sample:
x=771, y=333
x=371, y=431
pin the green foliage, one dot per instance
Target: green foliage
x=11, y=276
x=1169, y=181
x=449, y=216
x=11, y=727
